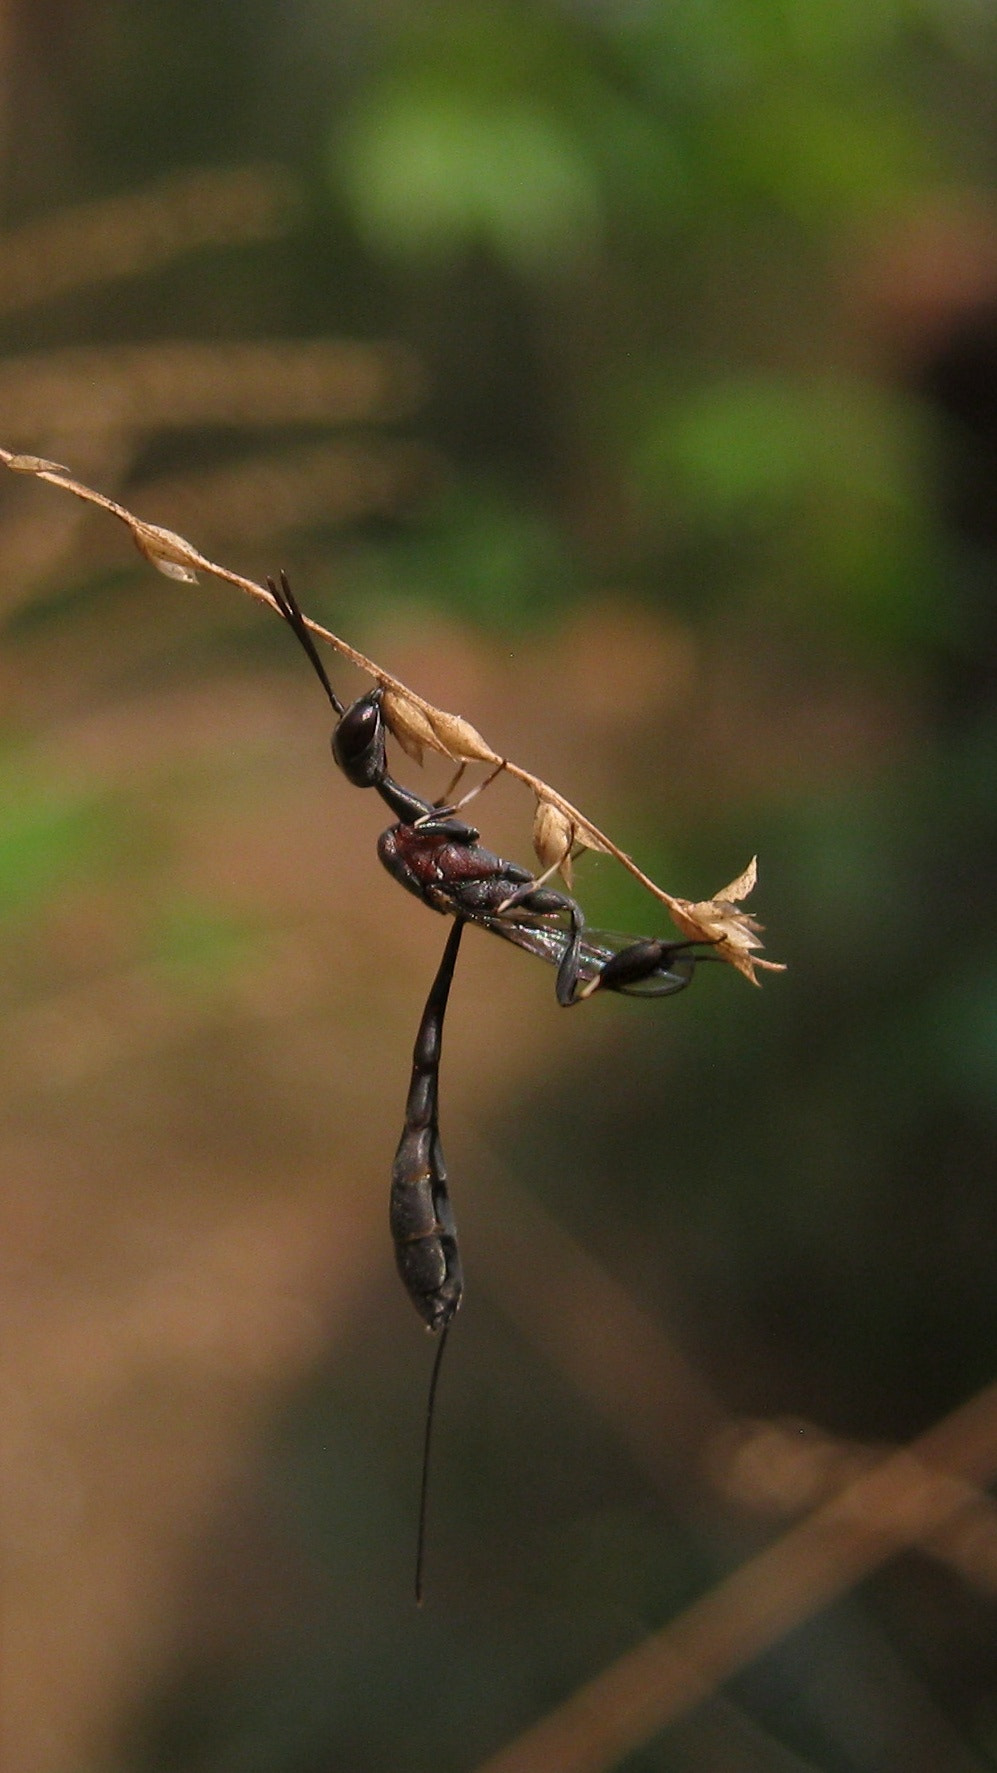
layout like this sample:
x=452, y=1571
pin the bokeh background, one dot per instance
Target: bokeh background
x=622, y=374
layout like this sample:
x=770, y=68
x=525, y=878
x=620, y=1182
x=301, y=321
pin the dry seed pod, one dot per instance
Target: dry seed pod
x=460, y=739
x=587, y=840
x=741, y=887
x=169, y=553
x=417, y=727
x=408, y=722
x=553, y=837
x=735, y=933
x=22, y=464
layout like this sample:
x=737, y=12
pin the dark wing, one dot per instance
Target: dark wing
x=547, y=937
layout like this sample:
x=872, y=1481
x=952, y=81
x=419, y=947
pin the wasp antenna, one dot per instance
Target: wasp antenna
x=290, y=609
x=420, y=1546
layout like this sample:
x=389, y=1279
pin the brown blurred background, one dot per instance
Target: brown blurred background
x=623, y=376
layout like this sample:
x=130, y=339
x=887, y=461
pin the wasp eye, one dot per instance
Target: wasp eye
x=358, y=742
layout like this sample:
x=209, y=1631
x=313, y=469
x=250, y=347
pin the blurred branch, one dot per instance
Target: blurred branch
x=790, y=1467
x=671, y=1422
x=141, y=231
x=327, y=483
x=414, y=721
x=283, y=382
x=96, y=405
x=905, y=1498
x=591, y=1329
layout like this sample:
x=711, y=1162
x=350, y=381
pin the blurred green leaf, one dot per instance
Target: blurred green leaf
x=196, y=945
x=830, y=475
x=49, y=838
x=434, y=172
x=757, y=442
x=490, y=555
x=712, y=48
x=822, y=158
x=961, y=1025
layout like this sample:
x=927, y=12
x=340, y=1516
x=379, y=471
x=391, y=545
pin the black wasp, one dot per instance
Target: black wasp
x=438, y=857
